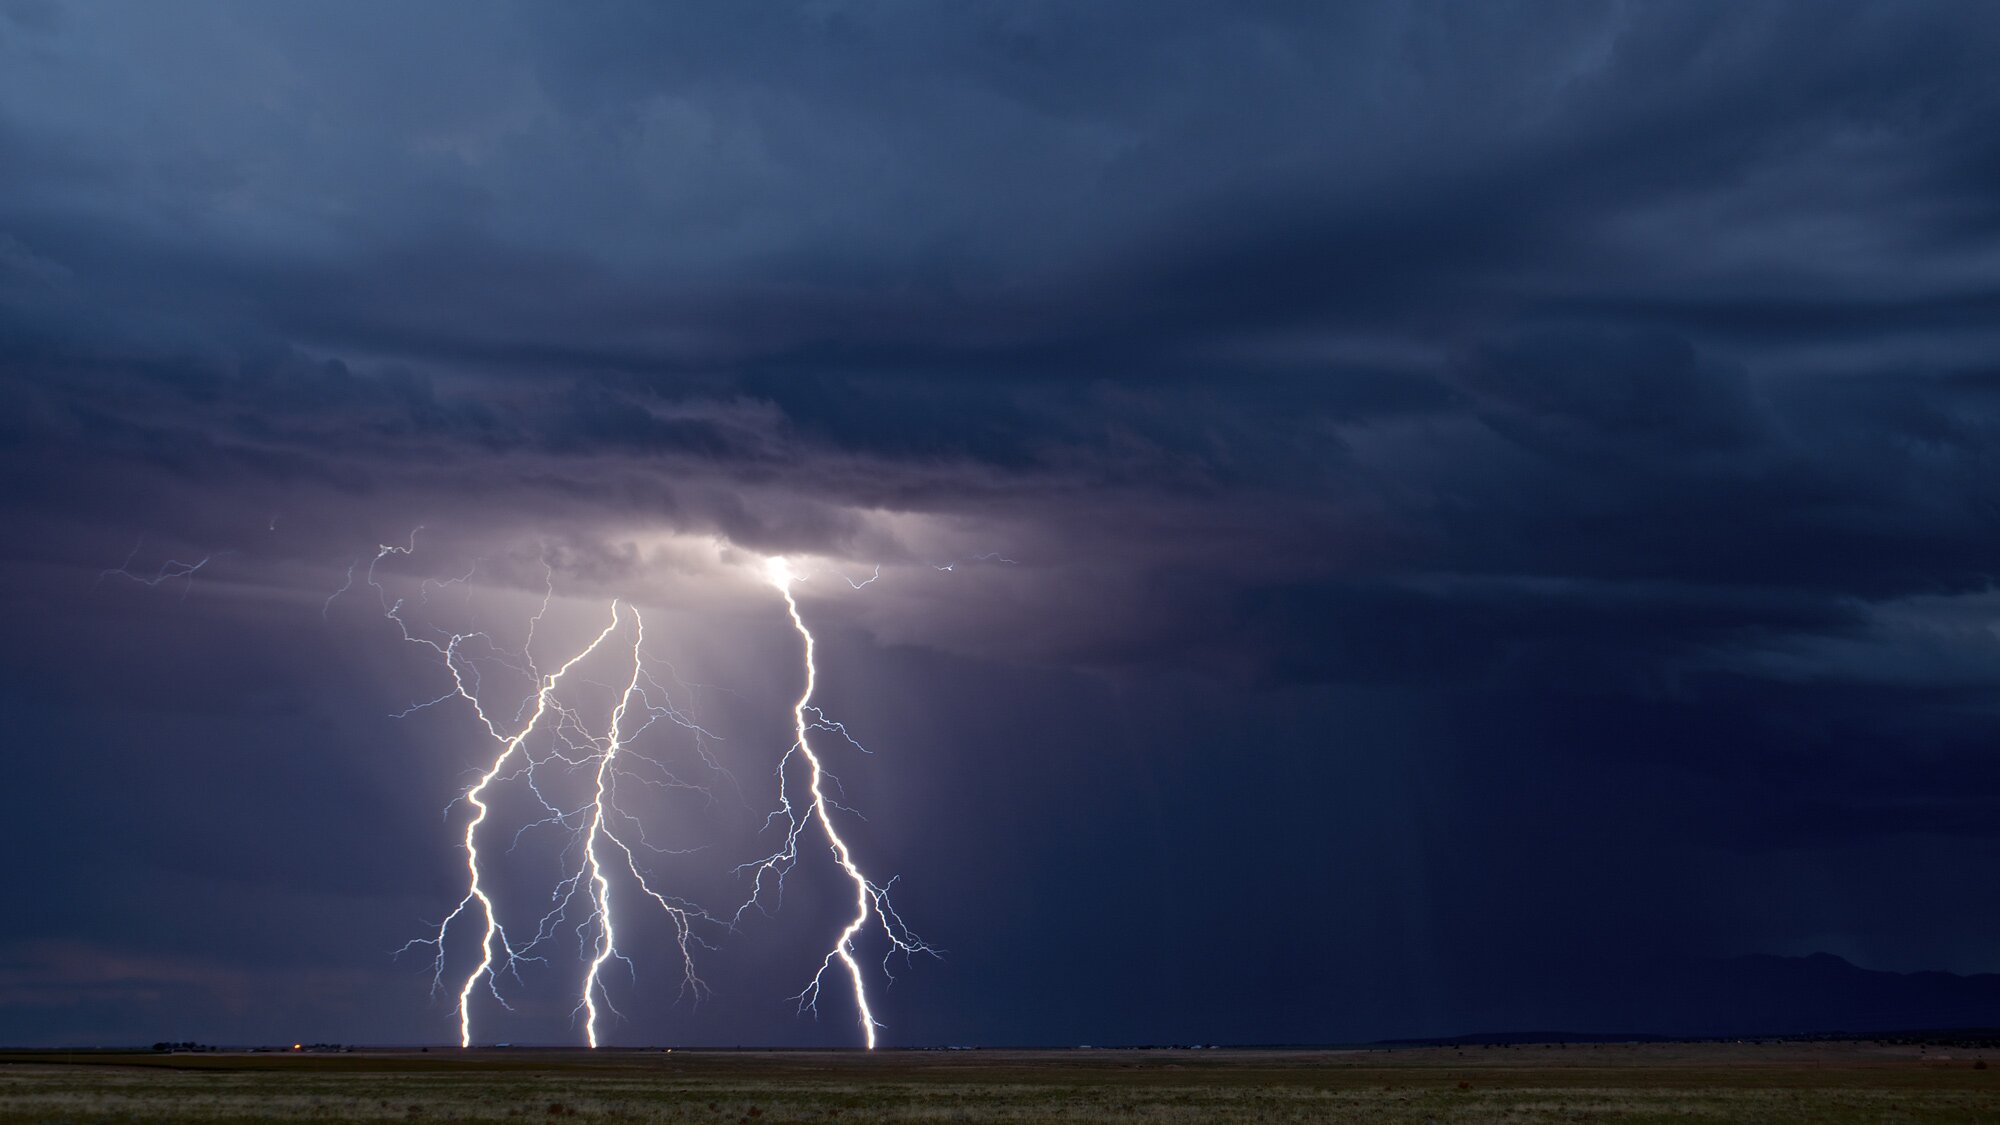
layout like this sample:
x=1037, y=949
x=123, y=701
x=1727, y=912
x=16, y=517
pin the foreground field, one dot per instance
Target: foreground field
x=1609, y=1083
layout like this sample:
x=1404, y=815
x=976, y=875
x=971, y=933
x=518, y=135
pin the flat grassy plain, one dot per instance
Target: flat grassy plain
x=1769, y=1082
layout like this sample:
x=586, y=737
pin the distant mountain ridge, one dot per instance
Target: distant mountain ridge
x=1761, y=995
x=1766, y=994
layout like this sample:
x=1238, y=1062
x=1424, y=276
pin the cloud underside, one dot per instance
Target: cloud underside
x=1631, y=356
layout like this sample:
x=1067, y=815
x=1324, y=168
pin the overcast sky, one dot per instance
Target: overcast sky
x=1480, y=493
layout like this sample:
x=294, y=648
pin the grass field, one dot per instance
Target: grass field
x=1613, y=1083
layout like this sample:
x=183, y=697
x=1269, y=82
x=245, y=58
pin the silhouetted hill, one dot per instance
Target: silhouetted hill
x=1737, y=997
x=1764, y=994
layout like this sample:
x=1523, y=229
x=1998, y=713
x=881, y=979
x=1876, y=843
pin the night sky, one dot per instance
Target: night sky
x=1495, y=493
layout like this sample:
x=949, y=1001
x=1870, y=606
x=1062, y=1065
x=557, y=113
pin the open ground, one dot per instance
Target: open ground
x=1774, y=1082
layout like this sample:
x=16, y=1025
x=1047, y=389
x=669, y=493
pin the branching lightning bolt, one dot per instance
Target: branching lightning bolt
x=871, y=901
x=680, y=912
x=599, y=824
x=168, y=571
x=475, y=891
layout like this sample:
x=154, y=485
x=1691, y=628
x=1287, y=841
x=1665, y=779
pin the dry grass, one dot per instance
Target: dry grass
x=1662, y=1083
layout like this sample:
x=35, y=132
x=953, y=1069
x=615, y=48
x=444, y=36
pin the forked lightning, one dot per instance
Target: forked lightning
x=871, y=900
x=571, y=745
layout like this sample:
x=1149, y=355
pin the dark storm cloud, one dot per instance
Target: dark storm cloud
x=1590, y=408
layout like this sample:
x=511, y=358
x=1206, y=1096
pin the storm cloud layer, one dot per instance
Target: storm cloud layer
x=1493, y=490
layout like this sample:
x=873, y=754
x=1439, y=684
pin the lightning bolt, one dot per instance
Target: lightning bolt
x=987, y=557
x=680, y=912
x=475, y=890
x=871, y=901
x=168, y=571
x=598, y=824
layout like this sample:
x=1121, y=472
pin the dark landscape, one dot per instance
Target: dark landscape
x=1748, y=1063
x=1623, y=1082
